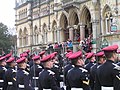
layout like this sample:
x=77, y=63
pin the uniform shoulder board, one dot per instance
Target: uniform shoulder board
x=83, y=70
x=50, y=72
x=14, y=71
x=56, y=66
x=4, y=69
x=25, y=72
x=39, y=66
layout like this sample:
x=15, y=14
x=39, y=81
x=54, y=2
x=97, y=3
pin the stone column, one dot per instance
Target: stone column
x=58, y=35
x=82, y=32
x=71, y=33
x=95, y=28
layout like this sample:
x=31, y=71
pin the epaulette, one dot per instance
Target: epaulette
x=50, y=72
x=117, y=67
x=56, y=66
x=25, y=72
x=83, y=70
x=4, y=69
x=39, y=66
x=14, y=71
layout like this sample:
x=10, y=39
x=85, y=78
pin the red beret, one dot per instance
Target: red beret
x=24, y=55
x=8, y=55
x=46, y=58
x=110, y=48
x=53, y=55
x=99, y=54
x=36, y=57
x=2, y=58
x=68, y=54
x=10, y=60
x=27, y=51
x=90, y=55
x=21, y=60
x=75, y=55
x=69, y=51
x=41, y=53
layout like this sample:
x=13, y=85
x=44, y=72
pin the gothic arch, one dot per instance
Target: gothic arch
x=25, y=37
x=54, y=31
x=73, y=17
x=107, y=19
x=45, y=33
x=64, y=26
x=85, y=19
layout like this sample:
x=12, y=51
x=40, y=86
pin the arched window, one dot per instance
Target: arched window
x=107, y=19
x=35, y=36
x=54, y=27
x=25, y=37
x=20, y=37
x=45, y=38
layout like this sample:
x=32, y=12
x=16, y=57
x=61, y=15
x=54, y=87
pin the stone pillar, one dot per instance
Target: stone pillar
x=95, y=28
x=58, y=35
x=82, y=32
x=71, y=33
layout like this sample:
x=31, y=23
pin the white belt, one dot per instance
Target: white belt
x=35, y=77
x=47, y=89
x=1, y=80
x=10, y=83
x=76, y=89
x=107, y=88
x=36, y=88
x=21, y=86
x=62, y=76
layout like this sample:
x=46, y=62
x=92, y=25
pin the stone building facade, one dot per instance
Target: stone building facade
x=39, y=22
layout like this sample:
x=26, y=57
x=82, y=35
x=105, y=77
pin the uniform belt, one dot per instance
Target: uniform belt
x=35, y=77
x=47, y=89
x=62, y=76
x=21, y=86
x=10, y=83
x=107, y=88
x=36, y=88
x=1, y=80
x=76, y=89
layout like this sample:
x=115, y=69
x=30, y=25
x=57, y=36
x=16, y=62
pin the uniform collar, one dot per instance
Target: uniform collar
x=110, y=61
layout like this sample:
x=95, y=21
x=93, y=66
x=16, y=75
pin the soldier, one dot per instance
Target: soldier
x=66, y=69
x=56, y=68
x=47, y=80
x=41, y=54
x=10, y=75
x=23, y=78
x=2, y=71
x=77, y=77
x=108, y=76
x=100, y=60
x=34, y=71
x=91, y=58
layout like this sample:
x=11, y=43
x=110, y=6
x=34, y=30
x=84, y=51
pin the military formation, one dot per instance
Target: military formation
x=72, y=71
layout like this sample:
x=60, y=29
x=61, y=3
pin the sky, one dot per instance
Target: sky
x=7, y=14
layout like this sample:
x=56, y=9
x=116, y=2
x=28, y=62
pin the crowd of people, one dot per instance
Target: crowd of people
x=54, y=72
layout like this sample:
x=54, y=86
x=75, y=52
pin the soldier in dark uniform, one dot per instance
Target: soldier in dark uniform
x=100, y=60
x=23, y=78
x=66, y=69
x=2, y=71
x=47, y=80
x=10, y=75
x=91, y=58
x=41, y=54
x=78, y=77
x=108, y=76
x=34, y=71
x=56, y=68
